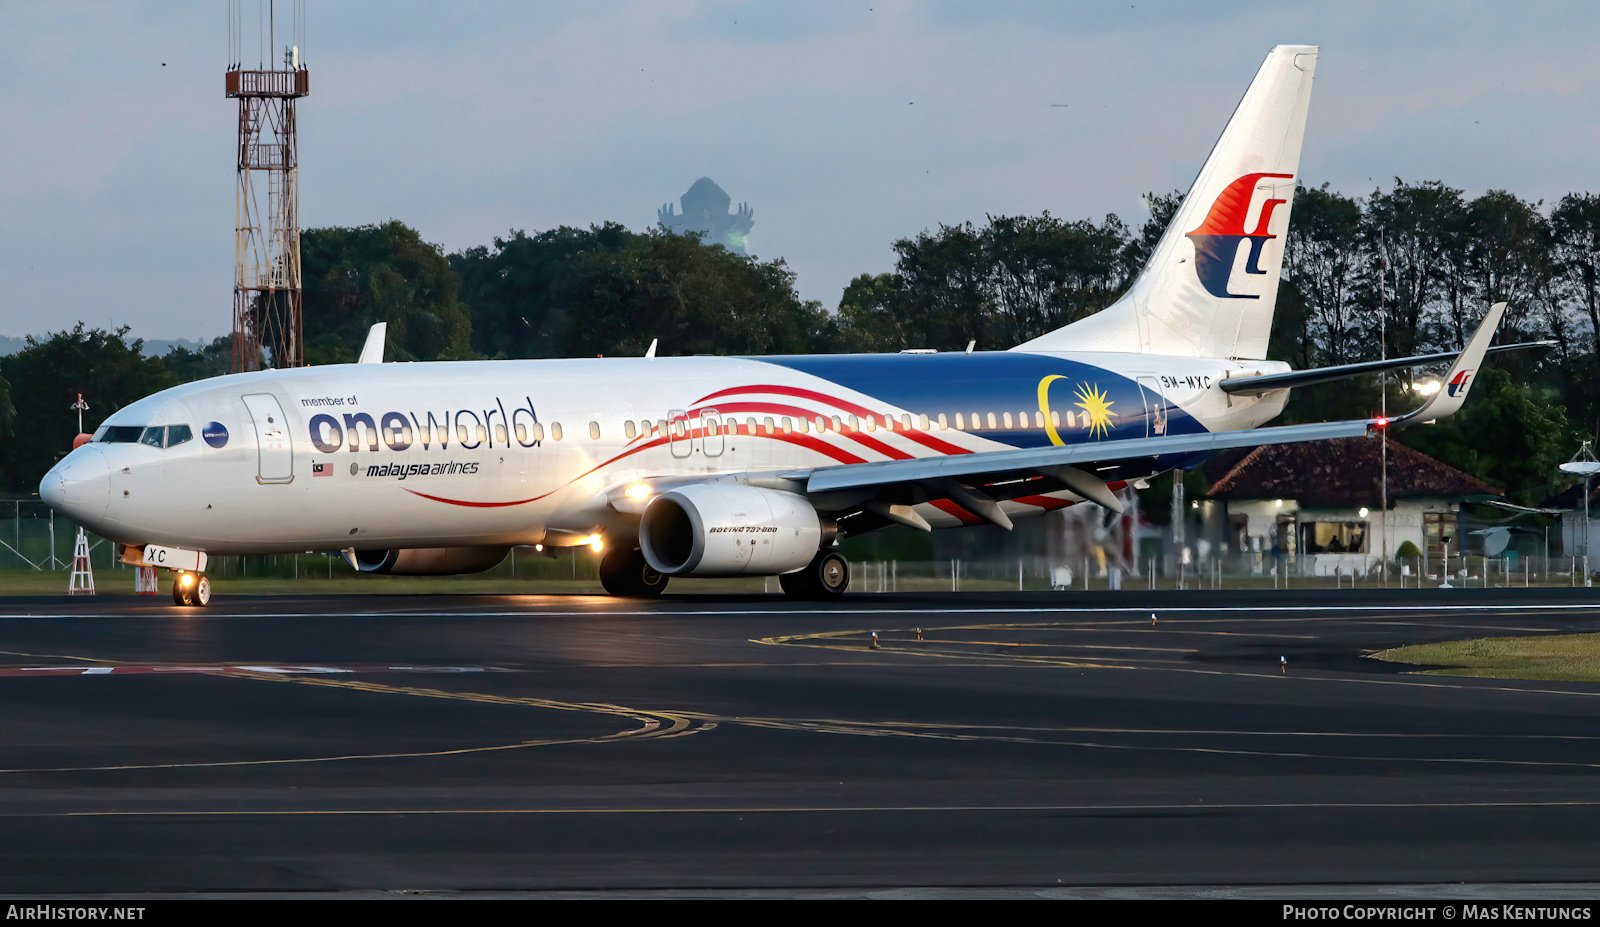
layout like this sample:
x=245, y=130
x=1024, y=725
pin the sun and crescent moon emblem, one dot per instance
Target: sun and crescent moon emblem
x=1091, y=399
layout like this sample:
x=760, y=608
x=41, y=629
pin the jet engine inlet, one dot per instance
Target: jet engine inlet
x=714, y=529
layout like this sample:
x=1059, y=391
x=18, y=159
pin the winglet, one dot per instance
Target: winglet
x=372, y=351
x=1447, y=401
x=652, y=352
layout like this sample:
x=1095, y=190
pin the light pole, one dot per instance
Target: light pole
x=82, y=407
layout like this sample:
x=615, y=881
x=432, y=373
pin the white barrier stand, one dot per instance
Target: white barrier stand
x=82, y=581
x=144, y=580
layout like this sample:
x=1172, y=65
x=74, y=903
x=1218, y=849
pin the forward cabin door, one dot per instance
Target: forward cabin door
x=711, y=427
x=276, y=463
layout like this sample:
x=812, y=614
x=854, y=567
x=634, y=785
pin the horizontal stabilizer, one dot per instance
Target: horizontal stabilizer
x=1294, y=378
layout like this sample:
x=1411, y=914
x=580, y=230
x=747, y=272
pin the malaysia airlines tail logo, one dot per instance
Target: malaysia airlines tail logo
x=1458, y=384
x=1216, y=241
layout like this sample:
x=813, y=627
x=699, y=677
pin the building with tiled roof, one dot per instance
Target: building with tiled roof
x=1320, y=504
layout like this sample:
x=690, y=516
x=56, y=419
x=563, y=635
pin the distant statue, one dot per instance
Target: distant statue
x=705, y=209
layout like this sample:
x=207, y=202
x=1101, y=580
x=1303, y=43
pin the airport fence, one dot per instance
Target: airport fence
x=36, y=541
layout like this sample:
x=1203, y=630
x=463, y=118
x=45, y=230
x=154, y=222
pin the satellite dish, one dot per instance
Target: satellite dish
x=1495, y=540
x=1584, y=467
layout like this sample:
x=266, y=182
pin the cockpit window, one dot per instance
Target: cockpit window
x=155, y=435
x=122, y=434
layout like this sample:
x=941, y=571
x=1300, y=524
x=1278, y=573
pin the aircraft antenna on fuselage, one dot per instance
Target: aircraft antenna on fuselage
x=372, y=351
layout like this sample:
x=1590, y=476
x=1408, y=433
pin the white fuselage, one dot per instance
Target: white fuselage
x=460, y=454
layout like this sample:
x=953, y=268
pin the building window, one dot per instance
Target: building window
x=1334, y=537
x=1439, y=529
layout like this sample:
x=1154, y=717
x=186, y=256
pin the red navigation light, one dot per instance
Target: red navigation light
x=1381, y=423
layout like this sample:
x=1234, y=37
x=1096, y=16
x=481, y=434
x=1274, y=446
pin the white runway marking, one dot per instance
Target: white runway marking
x=535, y=612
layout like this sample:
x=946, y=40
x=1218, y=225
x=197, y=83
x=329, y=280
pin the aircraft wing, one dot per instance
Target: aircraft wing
x=978, y=482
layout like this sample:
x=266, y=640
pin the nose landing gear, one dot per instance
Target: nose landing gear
x=191, y=589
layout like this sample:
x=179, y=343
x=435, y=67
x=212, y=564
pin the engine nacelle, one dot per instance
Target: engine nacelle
x=719, y=529
x=429, y=561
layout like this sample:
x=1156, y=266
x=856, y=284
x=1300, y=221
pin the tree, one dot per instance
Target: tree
x=606, y=290
x=1322, y=256
x=868, y=320
x=1575, y=240
x=47, y=376
x=356, y=277
x=1507, y=434
x=1508, y=248
x=1407, y=232
x=212, y=360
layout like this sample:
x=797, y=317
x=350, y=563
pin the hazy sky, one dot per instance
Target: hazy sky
x=844, y=125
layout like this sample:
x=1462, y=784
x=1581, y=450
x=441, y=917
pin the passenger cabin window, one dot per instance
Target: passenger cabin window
x=538, y=432
x=594, y=431
x=555, y=430
x=628, y=429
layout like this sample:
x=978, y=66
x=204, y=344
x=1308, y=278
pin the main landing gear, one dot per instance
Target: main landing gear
x=625, y=573
x=191, y=589
x=827, y=576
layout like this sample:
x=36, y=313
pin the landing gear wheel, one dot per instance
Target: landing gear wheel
x=191, y=589
x=183, y=589
x=625, y=573
x=827, y=576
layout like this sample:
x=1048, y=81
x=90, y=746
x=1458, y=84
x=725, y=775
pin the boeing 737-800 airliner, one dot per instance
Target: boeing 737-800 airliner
x=720, y=466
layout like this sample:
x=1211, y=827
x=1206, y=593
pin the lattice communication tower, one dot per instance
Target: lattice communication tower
x=268, y=326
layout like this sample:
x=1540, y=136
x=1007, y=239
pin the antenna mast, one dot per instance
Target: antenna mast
x=267, y=296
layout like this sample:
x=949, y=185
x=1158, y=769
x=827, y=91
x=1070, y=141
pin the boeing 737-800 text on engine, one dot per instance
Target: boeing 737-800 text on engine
x=721, y=466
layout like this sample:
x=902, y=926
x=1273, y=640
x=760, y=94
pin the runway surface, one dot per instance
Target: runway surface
x=1025, y=741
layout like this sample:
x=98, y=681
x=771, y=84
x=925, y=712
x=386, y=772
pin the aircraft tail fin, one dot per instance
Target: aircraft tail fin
x=1211, y=284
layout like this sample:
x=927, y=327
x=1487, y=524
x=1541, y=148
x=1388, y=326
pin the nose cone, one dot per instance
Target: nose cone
x=79, y=487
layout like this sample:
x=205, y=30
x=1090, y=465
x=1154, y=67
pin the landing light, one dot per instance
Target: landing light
x=1428, y=388
x=638, y=491
x=187, y=579
x=595, y=542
